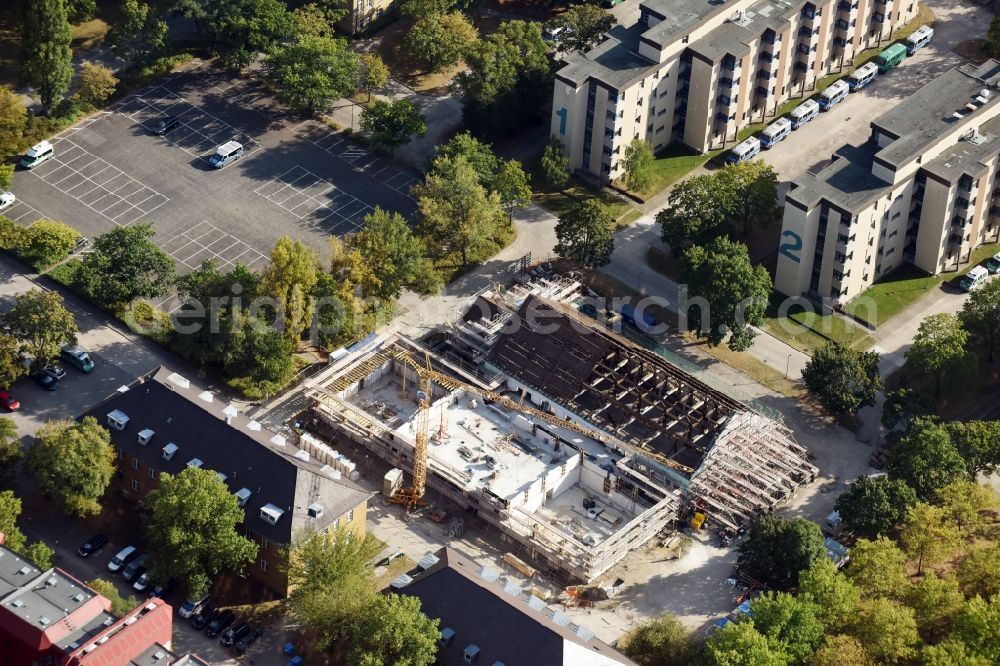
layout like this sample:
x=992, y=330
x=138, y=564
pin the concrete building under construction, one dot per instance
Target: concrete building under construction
x=572, y=440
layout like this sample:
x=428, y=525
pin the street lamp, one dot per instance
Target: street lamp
x=788, y=363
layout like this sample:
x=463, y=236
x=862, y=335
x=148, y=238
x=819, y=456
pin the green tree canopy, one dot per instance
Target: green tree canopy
x=965, y=504
x=511, y=185
x=311, y=19
x=936, y=603
x=478, y=154
x=978, y=442
x=585, y=234
x=193, y=530
x=638, y=164
x=438, y=41
x=390, y=630
x=926, y=459
x=555, y=164
x=874, y=506
x=789, y=621
x=13, y=119
x=97, y=83
x=843, y=380
x=42, y=323
x=237, y=30
x=290, y=278
x=119, y=604
x=951, y=652
x=46, y=59
x=662, y=641
x=777, y=550
x=751, y=194
x=841, y=650
x=139, y=32
x=126, y=265
x=11, y=367
x=929, y=535
x=977, y=626
x=980, y=317
x=878, y=568
x=979, y=571
x=993, y=37
x=394, y=254
x=10, y=510
x=584, y=27
x=740, y=644
x=373, y=73
x=73, y=463
x=311, y=72
x=10, y=449
x=45, y=242
x=888, y=631
x=903, y=405
x=695, y=214
x=735, y=292
x=392, y=124
x=939, y=360
x=835, y=597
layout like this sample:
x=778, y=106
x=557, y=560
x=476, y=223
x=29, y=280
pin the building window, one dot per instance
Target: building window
x=135, y=485
x=152, y=473
x=350, y=515
x=264, y=544
x=135, y=463
x=263, y=565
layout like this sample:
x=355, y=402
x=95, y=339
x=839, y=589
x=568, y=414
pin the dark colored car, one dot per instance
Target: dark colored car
x=92, y=545
x=135, y=568
x=161, y=590
x=204, y=617
x=234, y=634
x=54, y=371
x=45, y=380
x=249, y=638
x=222, y=621
x=164, y=125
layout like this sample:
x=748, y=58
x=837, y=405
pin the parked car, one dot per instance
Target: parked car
x=9, y=402
x=54, y=371
x=81, y=243
x=161, y=590
x=124, y=556
x=223, y=620
x=7, y=199
x=142, y=582
x=249, y=638
x=45, y=381
x=234, y=634
x=135, y=568
x=974, y=279
x=92, y=545
x=37, y=154
x=200, y=619
x=993, y=264
x=164, y=125
x=77, y=357
x=192, y=605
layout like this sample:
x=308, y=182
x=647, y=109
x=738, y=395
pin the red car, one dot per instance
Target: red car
x=9, y=402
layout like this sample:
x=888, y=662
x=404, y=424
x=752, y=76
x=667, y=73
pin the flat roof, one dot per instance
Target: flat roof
x=846, y=181
x=968, y=156
x=735, y=37
x=54, y=595
x=680, y=17
x=615, y=61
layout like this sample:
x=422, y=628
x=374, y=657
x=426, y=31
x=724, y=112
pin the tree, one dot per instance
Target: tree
x=311, y=72
x=393, y=253
x=977, y=626
x=874, y=506
x=979, y=572
x=585, y=234
x=79, y=11
x=47, y=61
x=584, y=27
x=992, y=41
x=390, y=630
x=421, y=8
x=392, y=124
x=13, y=119
x=119, y=604
x=964, y=503
x=73, y=463
x=834, y=597
x=662, y=641
x=843, y=380
x=903, y=405
x=776, y=550
x=735, y=291
x=929, y=535
x=11, y=367
x=10, y=448
x=878, y=568
x=194, y=529
x=507, y=73
x=740, y=644
x=978, y=442
x=479, y=155
x=638, y=164
x=695, y=214
x=39, y=554
x=936, y=603
x=45, y=242
x=926, y=459
x=10, y=511
x=938, y=360
x=440, y=40
x=980, y=317
x=456, y=212
x=311, y=19
x=790, y=622
x=42, y=324
x=97, y=83
x=6, y=176
x=126, y=265
x=237, y=30
x=751, y=190
x=841, y=650
x=887, y=629
x=290, y=278
x=555, y=164
x=951, y=652
x=329, y=579
x=511, y=185
x=139, y=32
x=373, y=73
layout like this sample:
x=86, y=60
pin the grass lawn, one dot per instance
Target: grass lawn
x=560, y=202
x=808, y=331
x=88, y=34
x=901, y=288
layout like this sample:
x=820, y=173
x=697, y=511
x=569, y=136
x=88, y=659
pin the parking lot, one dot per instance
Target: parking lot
x=297, y=177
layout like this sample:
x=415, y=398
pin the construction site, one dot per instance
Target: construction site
x=576, y=443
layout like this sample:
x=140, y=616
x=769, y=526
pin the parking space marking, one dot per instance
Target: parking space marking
x=206, y=241
x=86, y=177
x=23, y=213
x=315, y=201
x=198, y=133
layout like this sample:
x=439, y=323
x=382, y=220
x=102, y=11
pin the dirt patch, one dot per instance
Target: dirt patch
x=388, y=43
x=972, y=49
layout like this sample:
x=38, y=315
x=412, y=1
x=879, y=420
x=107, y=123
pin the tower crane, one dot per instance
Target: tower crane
x=411, y=496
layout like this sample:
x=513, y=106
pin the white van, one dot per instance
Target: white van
x=226, y=153
x=920, y=38
x=775, y=132
x=974, y=278
x=37, y=154
x=862, y=76
x=834, y=94
x=124, y=556
x=744, y=151
x=803, y=113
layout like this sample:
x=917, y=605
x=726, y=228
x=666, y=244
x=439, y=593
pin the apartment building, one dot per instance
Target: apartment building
x=923, y=189
x=363, y=14
x=165, y=423
x=699, y=71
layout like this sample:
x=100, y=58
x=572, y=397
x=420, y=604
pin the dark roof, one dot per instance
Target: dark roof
x=248, y=455
x=846, y=181
x=503, y=626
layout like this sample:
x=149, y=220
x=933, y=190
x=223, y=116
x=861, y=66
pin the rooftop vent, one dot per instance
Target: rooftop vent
x=535, y=603
x=150, y=606
x=427, y=561
x=253, y=425
x=131, y=620
x=447, y=634
x=206, y=396
x=79, y=597
x=195, y=462
x=230, y=411
x=160, y=654
x=242, y=495
x=491, y=575
x=17, y=603
x=51, y=581
x=278, y=440
x=560, y=618
x=400, y=581
x=44, y=621
x=24, y=571
x=222, y=477
x=584, y=633
x=471, y=654
x=271, y=514
x=302, y=455
x=169, y=450
x=179, y=380
x=315, y=510
x=145, y=435
x=117, y=419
